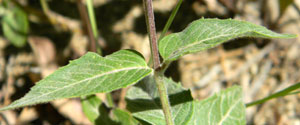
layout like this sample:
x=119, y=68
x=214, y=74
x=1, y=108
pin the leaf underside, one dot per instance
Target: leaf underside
x=87, y=75
x=224, y=108
x=204, y=34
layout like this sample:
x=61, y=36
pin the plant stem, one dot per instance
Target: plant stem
x=170, y=20
x=92, y=17
x=167, y=26
x=44, y=6
x=163, y=97
x=283, y=92
x=156, y=63
x=152, y=32
x=85, y=20
x=93, y=24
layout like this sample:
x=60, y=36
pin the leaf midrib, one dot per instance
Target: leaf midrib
x=91, y=78
x=228, y=112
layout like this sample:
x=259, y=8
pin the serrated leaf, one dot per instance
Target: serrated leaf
x=224, y=108
x=204, y=34
x=15, y=26
x=124, y=117
x=87, y=75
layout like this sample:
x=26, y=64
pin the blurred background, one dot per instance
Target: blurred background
x=52, y=36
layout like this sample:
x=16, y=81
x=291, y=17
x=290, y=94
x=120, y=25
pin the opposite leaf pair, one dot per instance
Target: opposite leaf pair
x=92, y=74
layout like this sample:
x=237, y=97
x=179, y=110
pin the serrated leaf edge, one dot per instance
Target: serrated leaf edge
x=99, y=75
x=171, y=56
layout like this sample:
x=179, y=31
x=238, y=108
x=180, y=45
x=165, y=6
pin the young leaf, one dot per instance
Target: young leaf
x=96, y=111
x=87, y=75
x=204, y=34
x=224, y=108
x=98, y=114
x=15, y=26
x=91, y=107
x=124, y=117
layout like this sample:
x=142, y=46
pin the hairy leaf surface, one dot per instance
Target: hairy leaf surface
x=204, y=34
x=87, y=75
x=224, y=108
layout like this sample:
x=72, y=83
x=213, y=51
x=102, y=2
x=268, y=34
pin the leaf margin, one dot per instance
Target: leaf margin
x=164, y=43
x=61, y=70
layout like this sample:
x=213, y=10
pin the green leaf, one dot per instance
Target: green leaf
x=143, y=101
x=98, y=113
x=91, y=107
x=124, y=117
x=287, y=91
x=204, y=34
x=15, y=26
x=87, y=75
x=226, y=107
